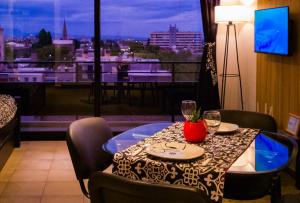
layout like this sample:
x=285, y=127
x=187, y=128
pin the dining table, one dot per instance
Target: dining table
x=245, y=150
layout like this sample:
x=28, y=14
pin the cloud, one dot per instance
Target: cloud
x=133, y=18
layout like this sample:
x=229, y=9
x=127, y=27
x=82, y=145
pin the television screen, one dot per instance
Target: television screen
x=272, y=30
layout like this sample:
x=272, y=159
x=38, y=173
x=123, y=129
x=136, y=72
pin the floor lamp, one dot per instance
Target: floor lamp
x=231, y=15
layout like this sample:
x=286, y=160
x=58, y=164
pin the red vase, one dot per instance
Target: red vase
x=194, y=131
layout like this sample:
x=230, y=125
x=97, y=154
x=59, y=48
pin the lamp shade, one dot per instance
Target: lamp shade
x=235, y=14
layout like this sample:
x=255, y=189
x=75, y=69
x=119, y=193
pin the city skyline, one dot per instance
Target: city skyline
x=119, y=18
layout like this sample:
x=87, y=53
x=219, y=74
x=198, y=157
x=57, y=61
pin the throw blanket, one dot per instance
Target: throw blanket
x=8, y=109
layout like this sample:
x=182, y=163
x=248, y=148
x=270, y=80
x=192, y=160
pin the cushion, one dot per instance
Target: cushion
x=8, y=109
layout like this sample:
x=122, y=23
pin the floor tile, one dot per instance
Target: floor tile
x=23, y=199
x=62, y=199
x=33, y=164
x=23, y=189
x=61, y=145
x=5, y=175
x=29, y=176
x=61, y=154
x=2, y=186
x=11, y=164
x=62, y=164
x=61, y=175
x=38, y=154
x=43, y=145
x=86, y=200
x=62, y=188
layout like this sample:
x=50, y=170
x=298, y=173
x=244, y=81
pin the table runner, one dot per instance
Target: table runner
x=223, y=150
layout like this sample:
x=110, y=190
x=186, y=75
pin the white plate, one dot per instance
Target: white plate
x=175, y=151
x=227, y=127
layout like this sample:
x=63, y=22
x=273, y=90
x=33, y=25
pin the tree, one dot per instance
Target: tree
x=45, y=39
x=46, y=53
x=115, y=49
x=153, y=48
x=49, y=38
x=136, y=46
x=63, y=54
x=76, y=43
x=9, y=54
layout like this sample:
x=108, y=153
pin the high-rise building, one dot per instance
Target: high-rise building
x=2, y=53
x=176, y=40
x=65, y=31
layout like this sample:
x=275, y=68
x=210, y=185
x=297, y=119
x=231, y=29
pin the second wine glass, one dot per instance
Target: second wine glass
x=212, y=120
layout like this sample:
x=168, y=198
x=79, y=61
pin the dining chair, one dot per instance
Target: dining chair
x=253, y=185
x=110, y=188
x=85, y=138
x=249, y=119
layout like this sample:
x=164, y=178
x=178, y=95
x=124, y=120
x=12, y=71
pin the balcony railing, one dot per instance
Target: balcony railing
x=111, y=71
x=127, y=88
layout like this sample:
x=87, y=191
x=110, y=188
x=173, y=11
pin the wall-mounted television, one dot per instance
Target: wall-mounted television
x=272, y=31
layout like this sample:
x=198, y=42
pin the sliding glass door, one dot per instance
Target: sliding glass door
x=142, y=64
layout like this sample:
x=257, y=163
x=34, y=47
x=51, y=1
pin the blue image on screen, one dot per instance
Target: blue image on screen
x=272, y=30
x=269, y=153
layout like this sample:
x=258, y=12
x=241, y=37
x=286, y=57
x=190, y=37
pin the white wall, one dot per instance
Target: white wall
x=247, y=58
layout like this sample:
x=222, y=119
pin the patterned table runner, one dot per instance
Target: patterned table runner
x=223, y=150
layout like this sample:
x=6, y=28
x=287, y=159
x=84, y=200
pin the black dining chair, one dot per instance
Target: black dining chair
x=253, y=185
x=110, y=188
x=249, y=119
x=85, y=138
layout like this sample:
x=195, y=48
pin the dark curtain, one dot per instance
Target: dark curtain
x=208, y=95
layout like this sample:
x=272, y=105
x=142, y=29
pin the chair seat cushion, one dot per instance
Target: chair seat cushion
x=8, y=109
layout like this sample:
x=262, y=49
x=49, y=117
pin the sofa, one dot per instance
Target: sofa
x=9, y=127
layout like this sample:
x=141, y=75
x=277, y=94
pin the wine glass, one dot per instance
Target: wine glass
x=212, y=120
x=188, y=107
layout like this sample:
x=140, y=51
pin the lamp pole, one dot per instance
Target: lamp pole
x=225, y=66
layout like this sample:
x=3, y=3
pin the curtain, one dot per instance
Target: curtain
x=208, y=93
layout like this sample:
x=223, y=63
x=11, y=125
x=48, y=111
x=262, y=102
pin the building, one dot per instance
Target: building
x=176, y=40
x=28, y=74
x=2, y=49
x=65, y=73
x=65, y=31
x=64, y=41
x=58, y=43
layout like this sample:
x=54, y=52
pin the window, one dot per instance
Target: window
x=166, y=30
x=147, y=48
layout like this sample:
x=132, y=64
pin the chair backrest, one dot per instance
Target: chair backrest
x=85, y=138
x=109, y=188
x=249, y=119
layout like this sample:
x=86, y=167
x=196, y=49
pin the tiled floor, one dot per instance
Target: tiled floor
x=41, y=171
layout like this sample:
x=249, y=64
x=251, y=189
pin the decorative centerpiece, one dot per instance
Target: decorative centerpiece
x=194, y=129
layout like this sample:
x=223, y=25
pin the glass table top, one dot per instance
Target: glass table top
x=264, y=154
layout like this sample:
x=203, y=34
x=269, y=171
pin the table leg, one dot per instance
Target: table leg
x=298, y=167
x=276, y=189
